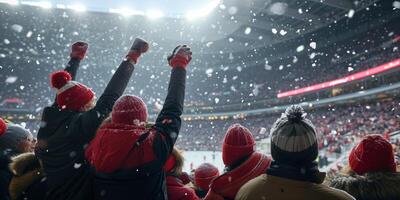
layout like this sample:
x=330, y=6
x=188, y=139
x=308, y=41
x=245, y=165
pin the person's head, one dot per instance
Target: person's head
x=204, y=175
x=72, y=95
x=15, y=138
x=293, y=138
x=238, y=144
x=174, y=163
x=129, y=109
x=373, y=154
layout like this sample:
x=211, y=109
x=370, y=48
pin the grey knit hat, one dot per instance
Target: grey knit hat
x=293, y=138
x=13, y=135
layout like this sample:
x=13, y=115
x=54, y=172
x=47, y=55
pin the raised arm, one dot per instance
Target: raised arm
x=78, y=52
x=116, y=86
x=168, y=121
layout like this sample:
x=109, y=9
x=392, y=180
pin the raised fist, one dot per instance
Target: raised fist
x=139, y=46
x=180, y=57
x=78, y=50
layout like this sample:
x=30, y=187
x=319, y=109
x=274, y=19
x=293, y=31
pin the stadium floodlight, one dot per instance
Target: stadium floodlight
x=61, y=6
x=154, y=14
x=203, y=12
x=11, y=2
x=125, y=11
x=42, y=4
x=77, y=7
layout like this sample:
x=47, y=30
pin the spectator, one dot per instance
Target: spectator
x=372, y=174
x=176, y=189
x=71, y=123
x=29, y=181
x=241, y=161
x=203, y=176
x=127, y=157
x=14, y=140
x=293, y=173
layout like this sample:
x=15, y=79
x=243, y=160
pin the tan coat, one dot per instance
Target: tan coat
x=275, y=188
x=27, y=170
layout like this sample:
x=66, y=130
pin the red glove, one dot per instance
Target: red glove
x=181, y=56
x=139, y=46
x=78, y=50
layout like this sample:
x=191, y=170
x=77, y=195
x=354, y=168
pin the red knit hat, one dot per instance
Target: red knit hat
x=204, y=174
x=3, y=127
x=71, y=95
x=170, y=163
x=129, y=109
x=238, y=143
x=372, y=154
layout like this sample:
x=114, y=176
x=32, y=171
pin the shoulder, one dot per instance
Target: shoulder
x=253, y=186
x=332, y=193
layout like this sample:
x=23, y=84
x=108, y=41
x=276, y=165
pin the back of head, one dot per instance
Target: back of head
x=372, y=154
x=293, y=138
x=238, y=144
x=11, y=136
x=129, y=109
x=204, y=174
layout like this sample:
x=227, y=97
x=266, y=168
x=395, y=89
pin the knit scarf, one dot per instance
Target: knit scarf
x=309, y=172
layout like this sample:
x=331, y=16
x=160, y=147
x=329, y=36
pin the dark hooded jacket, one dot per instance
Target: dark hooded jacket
x=5, y=175
x=65, y=134
x=129, y=159
x=371, y=186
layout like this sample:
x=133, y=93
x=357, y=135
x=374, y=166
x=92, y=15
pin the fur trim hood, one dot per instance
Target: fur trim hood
x=370, y=186
x=24, y=163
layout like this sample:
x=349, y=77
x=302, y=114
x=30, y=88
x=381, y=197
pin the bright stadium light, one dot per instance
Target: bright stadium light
x=203, y=12
x=11, y=2
x=77, y=7
x=61, y=6
x=154, y=14
x=42, y=4
x=125, y=11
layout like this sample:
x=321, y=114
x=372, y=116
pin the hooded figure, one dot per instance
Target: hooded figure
x=71, y=123
x=176, y=189
x=293, y=174
x=14, y=140
x=128, y=158
x=372, y=174
x=242, y=163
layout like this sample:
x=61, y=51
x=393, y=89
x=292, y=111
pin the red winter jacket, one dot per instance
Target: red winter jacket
x=227, y=185
x=106, y=158
x=178, y=191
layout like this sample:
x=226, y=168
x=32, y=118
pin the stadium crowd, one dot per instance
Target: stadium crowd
x=28, y=31
x=107, y=149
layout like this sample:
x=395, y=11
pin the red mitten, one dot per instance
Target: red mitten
x=78, y=50
x=139, y=46
x=180, y=57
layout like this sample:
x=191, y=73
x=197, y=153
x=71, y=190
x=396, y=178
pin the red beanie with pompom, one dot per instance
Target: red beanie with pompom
x=71, y=95
x=3, y=127
x=372, y=154
x=129, y=109
x=238, y=143
x=204, y=174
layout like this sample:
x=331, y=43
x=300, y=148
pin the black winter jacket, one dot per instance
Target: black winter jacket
x=65, y=134
x=147, y=182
